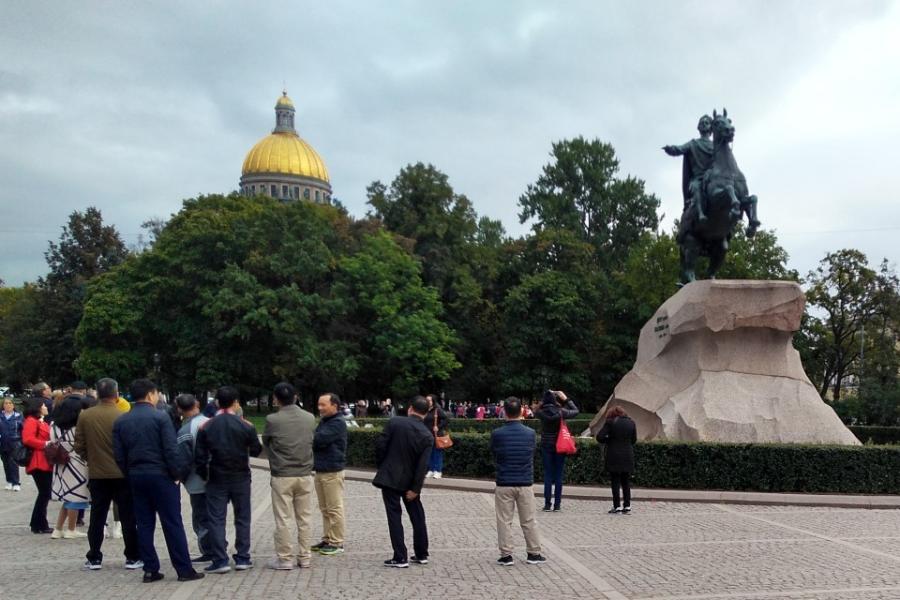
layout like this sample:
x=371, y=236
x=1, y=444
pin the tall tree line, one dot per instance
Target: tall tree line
x=420, y=294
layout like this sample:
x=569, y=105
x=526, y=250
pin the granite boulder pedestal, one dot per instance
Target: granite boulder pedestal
x=716, y=363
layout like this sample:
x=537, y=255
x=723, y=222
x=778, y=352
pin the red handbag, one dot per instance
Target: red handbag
x=565, y=443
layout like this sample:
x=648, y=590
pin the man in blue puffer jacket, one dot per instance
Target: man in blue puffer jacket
x=513, y=448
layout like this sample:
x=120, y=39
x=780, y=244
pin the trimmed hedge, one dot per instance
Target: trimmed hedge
x=745, y=467
x=876, y=435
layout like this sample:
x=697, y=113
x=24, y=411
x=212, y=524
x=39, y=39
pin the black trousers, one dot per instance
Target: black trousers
x=416, y=512
x=103, y=492
x=623, y=481
x=42, y=479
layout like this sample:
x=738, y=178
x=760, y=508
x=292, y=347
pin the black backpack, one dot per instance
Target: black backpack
x=22, y=454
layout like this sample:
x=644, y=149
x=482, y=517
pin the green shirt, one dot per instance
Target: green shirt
x=93, y=440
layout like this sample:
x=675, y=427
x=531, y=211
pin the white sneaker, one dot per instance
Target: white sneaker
x=438, y=475
x=71, y=535
x=429, y=474
x=17, y=488
x=8, y=487
x=117, y=530
x=57, y=534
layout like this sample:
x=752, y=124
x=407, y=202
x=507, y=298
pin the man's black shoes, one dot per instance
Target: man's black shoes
x=397, y=564
x=191, y=576
x=150, y=577
x=203, y=558
x=419, y=561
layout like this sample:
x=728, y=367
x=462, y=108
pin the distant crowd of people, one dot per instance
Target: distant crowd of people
x=94, y=452
x=478, y=411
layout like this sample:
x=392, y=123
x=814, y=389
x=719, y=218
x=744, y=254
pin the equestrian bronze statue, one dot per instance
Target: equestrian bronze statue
x=715, y=196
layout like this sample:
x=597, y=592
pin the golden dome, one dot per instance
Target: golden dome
x=284, y=101
x=285, y=153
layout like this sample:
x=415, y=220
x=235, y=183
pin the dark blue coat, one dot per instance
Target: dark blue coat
x=513, y=448
x=10, y=430
x=144, y=443
x=330, y=445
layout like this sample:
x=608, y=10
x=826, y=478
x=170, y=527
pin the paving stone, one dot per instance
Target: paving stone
x=664, y=551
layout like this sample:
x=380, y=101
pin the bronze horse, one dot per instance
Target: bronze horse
x=725, y=198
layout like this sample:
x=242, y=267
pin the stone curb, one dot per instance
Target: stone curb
x=583, y=492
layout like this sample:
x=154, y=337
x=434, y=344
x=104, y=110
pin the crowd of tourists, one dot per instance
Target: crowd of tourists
x=95, y=451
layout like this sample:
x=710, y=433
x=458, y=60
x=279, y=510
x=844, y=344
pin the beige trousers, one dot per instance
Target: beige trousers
x=330, y=492
x=292, y=504
x=506, y=500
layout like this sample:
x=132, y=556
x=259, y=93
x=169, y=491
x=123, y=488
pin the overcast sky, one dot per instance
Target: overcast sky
x=133, y=106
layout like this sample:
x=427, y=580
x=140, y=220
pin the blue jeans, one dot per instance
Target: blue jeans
x=218, y=494
x=159, y=495
x=437, y=460
x=553, y=474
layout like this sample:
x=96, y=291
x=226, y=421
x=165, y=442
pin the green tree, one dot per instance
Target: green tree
x=650, y=274
x=460, y=256
x=549, y=325
x=552, y=330
x=250, y=291
x=422, y=206
x=406, y=344
x=842, y=286
x=880, y=363
x=813, y=342
x=233, y=290
x=20, y=318
x=111, y=336
x=579, y=191
x=759, y=257
x=86, y=248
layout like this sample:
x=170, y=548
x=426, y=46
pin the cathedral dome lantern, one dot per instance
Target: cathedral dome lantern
x=283, y=165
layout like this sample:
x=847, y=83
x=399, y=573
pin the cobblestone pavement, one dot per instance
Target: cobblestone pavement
x=664, y=551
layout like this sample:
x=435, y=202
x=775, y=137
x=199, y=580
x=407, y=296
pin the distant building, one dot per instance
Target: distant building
x=282, y=165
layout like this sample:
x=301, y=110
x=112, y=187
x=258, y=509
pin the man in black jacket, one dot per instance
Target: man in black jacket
x=402, y=453
x=330, y=454
x=146, y=453
x=513, y=448
x=222, y=457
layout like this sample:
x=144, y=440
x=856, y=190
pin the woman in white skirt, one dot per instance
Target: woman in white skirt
x=69, y=470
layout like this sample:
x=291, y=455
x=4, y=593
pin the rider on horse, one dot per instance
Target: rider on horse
x=698, y=158
x=715, y=193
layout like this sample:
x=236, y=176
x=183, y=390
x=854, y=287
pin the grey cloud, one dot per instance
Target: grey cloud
x=134, y=106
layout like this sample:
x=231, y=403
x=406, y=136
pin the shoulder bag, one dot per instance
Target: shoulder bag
x=441, y=442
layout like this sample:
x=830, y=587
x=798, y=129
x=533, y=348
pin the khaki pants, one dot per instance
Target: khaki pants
x=506, y=500
x=330, y=492
x=292, y=504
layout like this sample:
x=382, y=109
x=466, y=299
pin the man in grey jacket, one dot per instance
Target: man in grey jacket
x=288, y=438
x=191, y=421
